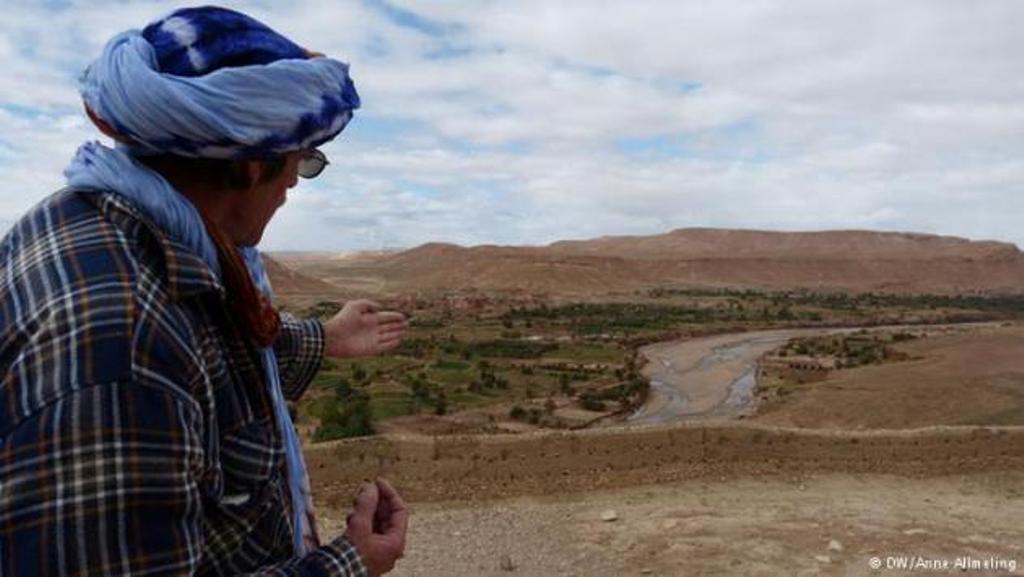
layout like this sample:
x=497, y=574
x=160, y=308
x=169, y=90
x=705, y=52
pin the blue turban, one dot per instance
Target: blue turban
x=214, y=83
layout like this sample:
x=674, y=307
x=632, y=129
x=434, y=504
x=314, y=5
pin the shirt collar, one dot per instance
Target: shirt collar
x=187, y=274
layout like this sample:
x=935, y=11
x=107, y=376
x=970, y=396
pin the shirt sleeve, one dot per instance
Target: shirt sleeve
x=105, y=481
x=300, y=351
x=339, y=557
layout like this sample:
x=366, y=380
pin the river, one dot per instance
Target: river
x=715, y=377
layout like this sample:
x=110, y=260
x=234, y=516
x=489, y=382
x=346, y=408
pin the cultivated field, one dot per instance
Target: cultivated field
x=491, y=364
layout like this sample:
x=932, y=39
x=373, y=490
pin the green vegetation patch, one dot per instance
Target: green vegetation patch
x=455, y=360
x=848, y=350
x=510, y=349
x=345, y=414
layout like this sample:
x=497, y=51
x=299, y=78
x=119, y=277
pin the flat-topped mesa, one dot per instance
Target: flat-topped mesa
x=703, y=243
x=827, y=261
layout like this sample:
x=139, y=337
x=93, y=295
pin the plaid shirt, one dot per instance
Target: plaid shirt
x=138, y=435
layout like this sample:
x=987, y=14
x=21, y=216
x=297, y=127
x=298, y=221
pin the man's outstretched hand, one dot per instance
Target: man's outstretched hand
x=377, y=526
x=361, y=329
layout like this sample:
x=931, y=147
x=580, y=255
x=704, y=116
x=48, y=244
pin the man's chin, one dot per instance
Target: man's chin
x=250, y=241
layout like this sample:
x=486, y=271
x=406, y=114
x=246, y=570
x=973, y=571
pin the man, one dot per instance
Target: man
x=144, y=372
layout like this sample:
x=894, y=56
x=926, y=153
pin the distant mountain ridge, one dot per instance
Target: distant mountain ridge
x=848, y=260
x=726, y=243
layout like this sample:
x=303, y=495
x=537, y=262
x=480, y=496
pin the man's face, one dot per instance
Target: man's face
x=256, y=206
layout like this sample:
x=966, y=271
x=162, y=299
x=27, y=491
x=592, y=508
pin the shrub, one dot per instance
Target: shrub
x=590, y=402
x=441, y=405
x=344, y=419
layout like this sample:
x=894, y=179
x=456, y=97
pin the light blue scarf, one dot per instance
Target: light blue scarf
x=97, y=168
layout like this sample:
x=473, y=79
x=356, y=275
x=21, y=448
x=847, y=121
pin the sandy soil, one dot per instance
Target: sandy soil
x=749, y=526
x=968, y=378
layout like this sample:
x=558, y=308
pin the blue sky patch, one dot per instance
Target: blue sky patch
x=660, y=146
x=409, y=19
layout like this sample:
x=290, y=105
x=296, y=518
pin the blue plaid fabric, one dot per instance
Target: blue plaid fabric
x=137, y=434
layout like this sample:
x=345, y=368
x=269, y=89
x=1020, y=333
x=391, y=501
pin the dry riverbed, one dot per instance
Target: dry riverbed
x=962, y=374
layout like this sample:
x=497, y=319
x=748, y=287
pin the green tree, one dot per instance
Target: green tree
x=441, y=404
x=358, y=373
x=345, y=417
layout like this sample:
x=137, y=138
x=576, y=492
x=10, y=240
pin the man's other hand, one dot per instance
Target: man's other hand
x=377, y=526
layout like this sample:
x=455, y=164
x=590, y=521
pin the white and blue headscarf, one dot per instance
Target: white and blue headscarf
x=211, y=83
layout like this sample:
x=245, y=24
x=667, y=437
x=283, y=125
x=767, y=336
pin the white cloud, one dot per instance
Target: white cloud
x=529, y=121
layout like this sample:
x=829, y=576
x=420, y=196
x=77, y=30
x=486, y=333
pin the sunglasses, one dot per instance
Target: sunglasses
x=312, y=164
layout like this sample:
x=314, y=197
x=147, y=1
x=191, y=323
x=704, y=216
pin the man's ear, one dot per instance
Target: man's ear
x=253, y=173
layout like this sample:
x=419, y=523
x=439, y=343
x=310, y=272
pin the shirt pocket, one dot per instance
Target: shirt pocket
x=246, y=525
x=251, y=460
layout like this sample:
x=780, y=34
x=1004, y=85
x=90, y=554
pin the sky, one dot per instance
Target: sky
x=529, y=121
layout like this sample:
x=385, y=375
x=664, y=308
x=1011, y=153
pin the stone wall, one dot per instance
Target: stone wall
x=484, y=467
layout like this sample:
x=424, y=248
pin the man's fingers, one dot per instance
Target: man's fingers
x=364, y=507
x=386, y=341
x=367, y=498
x=392, y=328
x=386, y=345
x=391, y=333
x=390, y=317
x=399, y=510
x=387, y=491
x=398, y=527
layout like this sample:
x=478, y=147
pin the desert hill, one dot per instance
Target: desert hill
x=842, y=244
x=833, y=260
x=295, y=288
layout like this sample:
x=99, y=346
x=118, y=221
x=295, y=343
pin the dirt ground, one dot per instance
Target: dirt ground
x=692, y=499
x=779, y=525
x=974, y=378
